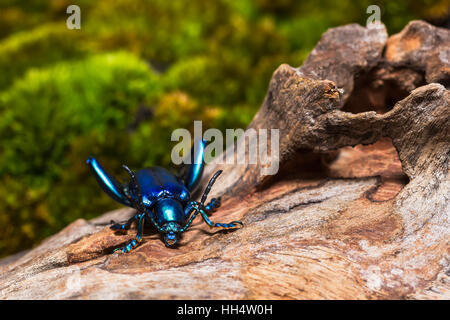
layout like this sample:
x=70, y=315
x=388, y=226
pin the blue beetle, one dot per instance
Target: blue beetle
x=162, y=198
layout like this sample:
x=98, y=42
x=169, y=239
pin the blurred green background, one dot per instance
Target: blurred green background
x=134, y=72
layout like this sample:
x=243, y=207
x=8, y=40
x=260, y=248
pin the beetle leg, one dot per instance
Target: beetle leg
x=135, y=242
x=153, y=221
x=191, y=173
x=192, y=206
x=200, y=208
x=212, y=205
x=231, y=225
x=124, y=226
x=107, y=182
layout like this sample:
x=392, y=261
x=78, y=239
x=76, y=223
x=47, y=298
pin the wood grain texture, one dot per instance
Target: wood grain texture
x=360, y=208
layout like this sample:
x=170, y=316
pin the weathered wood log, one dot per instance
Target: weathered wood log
x=360, y=208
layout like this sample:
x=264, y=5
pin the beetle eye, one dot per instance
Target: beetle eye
x=171, y=236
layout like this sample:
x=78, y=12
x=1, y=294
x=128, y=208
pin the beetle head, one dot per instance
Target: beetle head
x=171, y=235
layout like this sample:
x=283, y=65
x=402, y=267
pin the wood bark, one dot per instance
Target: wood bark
x=360, y=208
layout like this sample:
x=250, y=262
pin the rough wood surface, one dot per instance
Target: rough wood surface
x=360, y=208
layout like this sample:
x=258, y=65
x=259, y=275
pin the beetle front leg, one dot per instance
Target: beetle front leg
x=227, y=226
x=199, y=207
x=135, y=242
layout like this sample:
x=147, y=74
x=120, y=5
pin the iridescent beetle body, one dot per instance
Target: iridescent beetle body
x=162, y=198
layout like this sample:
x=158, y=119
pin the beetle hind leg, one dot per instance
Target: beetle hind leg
x=107, y=182
x=191, y=173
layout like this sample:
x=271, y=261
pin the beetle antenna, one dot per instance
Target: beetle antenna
x=140, y=206
x=210, y=184
x=134, y=180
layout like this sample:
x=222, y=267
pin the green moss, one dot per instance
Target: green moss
x=136, y=71
x=42, y=46
x=50, y=121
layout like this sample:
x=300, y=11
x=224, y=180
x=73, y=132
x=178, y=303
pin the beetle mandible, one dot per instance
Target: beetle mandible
x=162, y=198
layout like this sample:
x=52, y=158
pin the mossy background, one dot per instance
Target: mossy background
x=136, y=71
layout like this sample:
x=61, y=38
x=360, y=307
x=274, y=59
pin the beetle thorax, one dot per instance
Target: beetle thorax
x=169, y=210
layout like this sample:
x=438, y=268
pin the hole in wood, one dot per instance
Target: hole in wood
x=380, y=89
